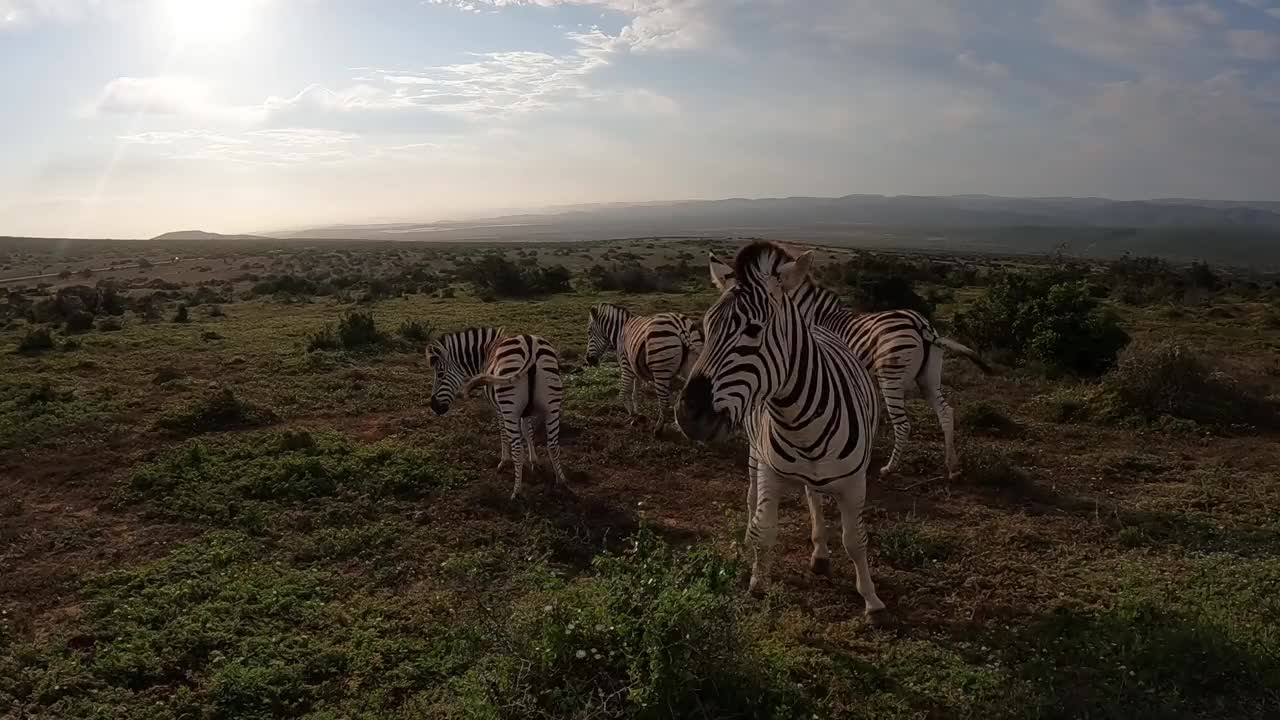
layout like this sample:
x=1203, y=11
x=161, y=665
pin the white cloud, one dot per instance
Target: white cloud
x=282, y=146
x=1274, y=12
x=16, y=13
x=1254, y=44
x=1206, y=13
x=174, y=137
x=990, y=70
x=167, y=95
x=1121, y=30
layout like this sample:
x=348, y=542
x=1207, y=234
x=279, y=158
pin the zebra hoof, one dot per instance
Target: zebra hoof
x=879, y=618
x=820, y=566
x=886, y=470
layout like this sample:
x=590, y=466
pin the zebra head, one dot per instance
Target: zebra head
x=599, y=339
x=750, y=336
x=456, y=358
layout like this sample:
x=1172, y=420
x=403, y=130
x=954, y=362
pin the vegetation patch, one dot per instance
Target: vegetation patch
x=1167, y=380
x=244, y=481
x=1042, y=319
x=218, y=410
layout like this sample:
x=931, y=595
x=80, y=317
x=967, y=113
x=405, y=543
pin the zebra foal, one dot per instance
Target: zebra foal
x=804, y=399
x=521, y=377
x=653, y=348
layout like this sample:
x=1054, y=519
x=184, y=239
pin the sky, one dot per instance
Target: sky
x=128, y=118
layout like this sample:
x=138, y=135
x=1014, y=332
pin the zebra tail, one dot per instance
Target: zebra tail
x=966, y=351
x=500, y=380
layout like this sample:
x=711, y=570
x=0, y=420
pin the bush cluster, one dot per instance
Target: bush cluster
x=1042, y=319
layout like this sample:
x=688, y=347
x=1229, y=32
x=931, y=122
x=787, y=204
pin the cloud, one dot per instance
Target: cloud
x=1121, y=30
x=280, y=146
x=167, y=95
x=17, y=13
x=1254, y=45
x=1274, y=12
x=990, y=70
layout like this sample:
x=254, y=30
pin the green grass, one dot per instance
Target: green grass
x=245, y=482
x=359, y=558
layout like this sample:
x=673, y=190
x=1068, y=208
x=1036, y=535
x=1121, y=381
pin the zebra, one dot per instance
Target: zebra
x=521, y=375
x=900, y=347
x=654, y=348
x=804, y=399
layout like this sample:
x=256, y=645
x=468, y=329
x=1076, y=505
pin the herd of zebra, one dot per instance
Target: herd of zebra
x=776, y=356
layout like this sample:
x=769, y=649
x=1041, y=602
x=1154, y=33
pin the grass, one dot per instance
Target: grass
x=359, y=558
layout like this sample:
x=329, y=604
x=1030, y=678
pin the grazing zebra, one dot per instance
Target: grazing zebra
x=521, y=375
x=901, y=349
x=654, y=348
x=805, y=399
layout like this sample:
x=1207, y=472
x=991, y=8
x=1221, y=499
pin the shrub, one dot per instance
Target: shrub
x=216, y=311
x=415, y=331
x=219, y=410
x=182, y=316
x=891, y=293
x=1154, y=381
x=355, y=331
x=499, y=276
x=653, y=633
x=986, y=419
x=36, y=340
x=79, y=321
x=1035, y=319
x=110, y=324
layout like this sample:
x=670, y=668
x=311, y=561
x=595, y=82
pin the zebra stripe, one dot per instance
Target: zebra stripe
x=901, y=348
x=521, y=375
x=654, y=348
x=804, y=398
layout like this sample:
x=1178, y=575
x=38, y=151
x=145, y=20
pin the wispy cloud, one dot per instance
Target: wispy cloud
x=989, y=69
x=1254, y=45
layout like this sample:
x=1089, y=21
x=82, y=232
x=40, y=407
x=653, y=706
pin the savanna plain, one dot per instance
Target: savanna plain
x=223, y=495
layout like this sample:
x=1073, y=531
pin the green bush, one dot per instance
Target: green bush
x=182, y=316
x=415, y=331
x=35, y=340
x=1036, y=319
x=496, y=275
x=1155, y=381
x=79, y=321
x=218, y=410
x=355, y=331
x=655, y=633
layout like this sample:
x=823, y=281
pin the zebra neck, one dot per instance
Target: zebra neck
x=801, y=355
x=473, y=361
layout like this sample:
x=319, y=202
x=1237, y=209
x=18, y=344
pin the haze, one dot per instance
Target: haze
x=128, y=118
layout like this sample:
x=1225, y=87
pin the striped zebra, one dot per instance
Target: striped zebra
x=521, y=375
x=900, y=347
x=805, y=400
x=654, y=348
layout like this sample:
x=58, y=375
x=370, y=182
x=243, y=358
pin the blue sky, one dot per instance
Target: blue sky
x=128, y=118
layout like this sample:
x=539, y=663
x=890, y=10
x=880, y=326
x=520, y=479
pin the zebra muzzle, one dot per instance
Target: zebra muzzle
x=696, y=415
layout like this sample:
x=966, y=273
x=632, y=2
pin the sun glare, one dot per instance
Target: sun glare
x=210, y=22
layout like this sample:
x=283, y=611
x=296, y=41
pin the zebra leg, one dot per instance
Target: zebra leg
x=753, y=469
x=896, y=403
x=820, y=560
x=855, y=543
x=931, y=387
x=526, y=430
x=663, y=388
x=517, y=455
x=551, y=419
x=628, y=390
x=764, y=529
x=504, y=452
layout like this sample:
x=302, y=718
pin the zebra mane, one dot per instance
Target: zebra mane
x=760, y=259
x=598, y=306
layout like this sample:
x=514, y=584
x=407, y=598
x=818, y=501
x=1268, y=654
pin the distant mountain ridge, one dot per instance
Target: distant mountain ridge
x=900, y=211
x=202, y=235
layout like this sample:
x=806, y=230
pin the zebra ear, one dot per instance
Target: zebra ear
x=721, y=274
x=793, y=273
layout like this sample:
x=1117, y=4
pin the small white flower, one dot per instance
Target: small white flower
x=581, y=654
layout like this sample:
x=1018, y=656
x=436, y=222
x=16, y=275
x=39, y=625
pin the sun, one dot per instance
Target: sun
x=210, y=22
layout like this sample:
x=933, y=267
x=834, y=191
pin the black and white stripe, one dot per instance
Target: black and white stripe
x=654, y=348
x=804, y=398
x=900, y=347
x=521, y=375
